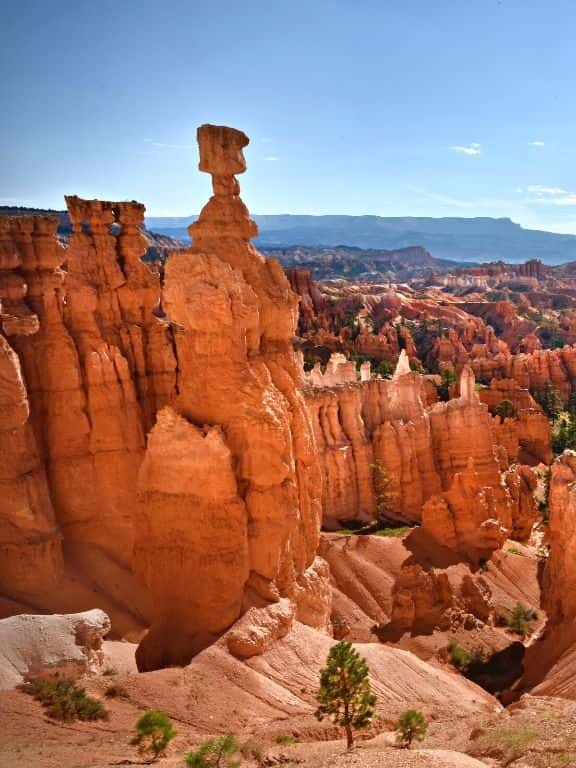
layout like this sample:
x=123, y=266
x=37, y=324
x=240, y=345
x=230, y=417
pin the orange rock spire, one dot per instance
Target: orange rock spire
x=255, y=526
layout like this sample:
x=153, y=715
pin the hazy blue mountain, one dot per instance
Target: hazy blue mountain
x=458, y=239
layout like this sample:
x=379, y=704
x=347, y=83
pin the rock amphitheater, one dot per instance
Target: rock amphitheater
x=180, y=500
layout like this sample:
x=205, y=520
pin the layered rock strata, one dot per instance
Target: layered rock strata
x=30, y=542
x=95, y=369
x=436, y=459
x=251, y=508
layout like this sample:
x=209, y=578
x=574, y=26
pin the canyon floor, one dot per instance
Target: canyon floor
x=269, y=702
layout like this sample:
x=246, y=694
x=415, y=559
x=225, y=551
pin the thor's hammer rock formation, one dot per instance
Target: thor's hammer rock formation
x=230, y=485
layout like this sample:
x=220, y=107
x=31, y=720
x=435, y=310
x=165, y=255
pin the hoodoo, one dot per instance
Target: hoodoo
x=251, y=514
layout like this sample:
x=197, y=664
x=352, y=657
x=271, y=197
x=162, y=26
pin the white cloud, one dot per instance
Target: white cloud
x=543, y=195
x=271, y=158
x=541, y=191
x=568, y=200
x=536, y=143
x=470, y=149
x=162, y=145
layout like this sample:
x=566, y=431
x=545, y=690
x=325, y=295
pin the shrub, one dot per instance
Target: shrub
x=215, y=753
x=64, y=700
x=516, y=551
x=448, y=379
x=463, y=659
x=401, y=530
x=385, y=369
x=550, y=399
x=564, y=433
x=344, y=693
x=411, y=725
x=519, y=619
x=252, y=749
x=116, y=691
x=505, y=409
x=154, y=731
x=285, y=738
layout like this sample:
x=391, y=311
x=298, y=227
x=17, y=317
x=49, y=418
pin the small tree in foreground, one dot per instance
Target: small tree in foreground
x=411, y=725
x=215, y=753
x=344, y=693
x=154, y=731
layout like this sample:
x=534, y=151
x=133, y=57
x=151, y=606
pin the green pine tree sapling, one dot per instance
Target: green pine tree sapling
x=344, y=693
x=411, y=725
x=154, y=731
x=215, y=753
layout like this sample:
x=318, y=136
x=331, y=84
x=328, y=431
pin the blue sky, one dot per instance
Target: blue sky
x=389, y=107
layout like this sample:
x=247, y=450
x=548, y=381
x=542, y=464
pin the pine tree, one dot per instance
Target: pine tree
x=505, y=409
x=550, y=399
x=154, y=731
x=344, y=693
x=411, y=725
x=215, y=753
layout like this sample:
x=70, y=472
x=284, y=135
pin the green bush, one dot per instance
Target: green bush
x=384, y=484
x=344, y=693
x=505, y=409
x=116, y=691
x=215, y=753
x=462, y=658
x=253, y=750
x=154, y=731
x=398, y=532
x=64, y=700
x=411, y=725
x=520, y=618
x=516, y=551
x=285, y=738
x=385, y=369
x=550, y=400
x=449, y=378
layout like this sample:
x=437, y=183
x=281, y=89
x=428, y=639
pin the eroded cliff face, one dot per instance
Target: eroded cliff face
x=442, y=464
x=559, y=592
x=238, y=380
x=551, y=659
x=93, y=368
x=30, y=546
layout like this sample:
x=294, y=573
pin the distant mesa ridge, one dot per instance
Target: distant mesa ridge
x=478, y=240
x=457, y=239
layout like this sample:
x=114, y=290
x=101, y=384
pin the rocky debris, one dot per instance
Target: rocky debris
x=420, y=600
x=467, y=517
x=259, y=628
x=67, y=645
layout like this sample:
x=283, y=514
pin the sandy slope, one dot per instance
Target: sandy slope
x=270, y=695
